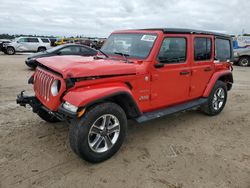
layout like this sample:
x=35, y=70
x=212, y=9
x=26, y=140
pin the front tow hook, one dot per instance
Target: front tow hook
x=23, y=100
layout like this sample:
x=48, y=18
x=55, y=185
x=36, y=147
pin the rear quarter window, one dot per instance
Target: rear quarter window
x=222, y=49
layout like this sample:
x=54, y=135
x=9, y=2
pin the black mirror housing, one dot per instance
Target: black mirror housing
x=159, y=65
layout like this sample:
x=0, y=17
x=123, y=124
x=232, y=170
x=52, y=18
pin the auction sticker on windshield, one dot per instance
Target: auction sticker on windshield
x=149, y=38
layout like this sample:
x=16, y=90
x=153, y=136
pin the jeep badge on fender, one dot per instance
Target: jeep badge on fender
x=185, y=69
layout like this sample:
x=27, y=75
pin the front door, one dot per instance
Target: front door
x=170, y=83
x=202, y=64
x=22, y=44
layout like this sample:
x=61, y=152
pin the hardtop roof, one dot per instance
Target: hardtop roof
x=188, y=31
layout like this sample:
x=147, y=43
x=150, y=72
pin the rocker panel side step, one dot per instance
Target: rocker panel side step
x=170, y=110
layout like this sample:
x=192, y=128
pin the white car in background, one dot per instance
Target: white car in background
x=27, y=44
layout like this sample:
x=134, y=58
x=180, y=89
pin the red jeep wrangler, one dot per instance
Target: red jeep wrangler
x=138, y=74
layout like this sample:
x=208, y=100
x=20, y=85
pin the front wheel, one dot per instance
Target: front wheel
x=216, y=100
x=99, y=134
x=10, y=50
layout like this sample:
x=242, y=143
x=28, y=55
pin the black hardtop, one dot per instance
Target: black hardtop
x=189, y=31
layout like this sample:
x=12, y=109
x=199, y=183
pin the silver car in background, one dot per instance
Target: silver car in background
x=27, y=44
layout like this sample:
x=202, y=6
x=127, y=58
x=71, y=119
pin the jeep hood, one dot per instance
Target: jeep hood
x=77, y=66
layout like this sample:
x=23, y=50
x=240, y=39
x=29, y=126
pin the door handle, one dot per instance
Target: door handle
x=184, y=72
x=207, y=69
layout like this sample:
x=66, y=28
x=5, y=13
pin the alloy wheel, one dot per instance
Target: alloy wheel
x=218, y=99
x=104, y=133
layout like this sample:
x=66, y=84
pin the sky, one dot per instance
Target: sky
x=99, y=17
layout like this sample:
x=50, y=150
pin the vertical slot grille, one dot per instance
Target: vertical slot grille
x=42, y=84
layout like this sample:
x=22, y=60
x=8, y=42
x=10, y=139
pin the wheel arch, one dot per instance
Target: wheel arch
x=244, y=55
x=228, y=79
x=124, y=100
x=117, y=93
x=41, y=47
x=10, y=46
x=225, y=76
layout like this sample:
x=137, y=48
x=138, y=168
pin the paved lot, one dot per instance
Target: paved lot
x=186, y=150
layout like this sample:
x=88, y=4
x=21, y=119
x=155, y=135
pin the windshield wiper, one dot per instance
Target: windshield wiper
x=104, y=53
x=123, y=55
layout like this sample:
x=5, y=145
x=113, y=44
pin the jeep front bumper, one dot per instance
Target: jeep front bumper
x=62, y=113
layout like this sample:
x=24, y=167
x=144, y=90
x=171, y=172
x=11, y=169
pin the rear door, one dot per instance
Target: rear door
x=170, y=83
x=33, y=44
x=202, y=65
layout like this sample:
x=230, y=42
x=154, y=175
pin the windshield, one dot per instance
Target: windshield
x=134, y=45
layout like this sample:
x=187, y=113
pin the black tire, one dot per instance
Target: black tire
x=210, y=107
x=80, y=132
x=41, y=49
x=244, y=61
x=47, y=117
x=10, y=50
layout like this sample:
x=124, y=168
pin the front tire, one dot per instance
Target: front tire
x=10, y=50
x=216, y=100
x=244, y=61
x=99, y=134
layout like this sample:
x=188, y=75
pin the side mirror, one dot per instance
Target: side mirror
x=159, y=65
x=17, y=41
x=59, y=53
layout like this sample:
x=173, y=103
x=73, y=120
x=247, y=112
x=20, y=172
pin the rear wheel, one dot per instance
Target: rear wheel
x=216, y=100
x=99, y=134
x=244, y=61
x=41, y=49
x=47, y=117
x=10, y=50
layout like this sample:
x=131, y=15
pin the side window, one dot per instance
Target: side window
x=23, y=40
x=33, y=40
x=86, y=51
x=45, y=40
x=173, y=50
x=222, y=49
x=202, y=49
x=69, y=50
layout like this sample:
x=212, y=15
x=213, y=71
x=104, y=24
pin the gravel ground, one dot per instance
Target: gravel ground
x=186, y=150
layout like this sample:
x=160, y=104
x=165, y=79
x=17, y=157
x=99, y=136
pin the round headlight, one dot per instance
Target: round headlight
x=55, y=87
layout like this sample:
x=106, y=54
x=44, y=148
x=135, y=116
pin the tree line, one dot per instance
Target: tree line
x=8, y=36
